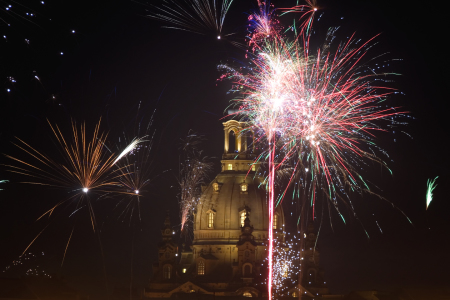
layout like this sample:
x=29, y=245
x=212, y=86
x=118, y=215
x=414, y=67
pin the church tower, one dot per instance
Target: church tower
x=230, y=232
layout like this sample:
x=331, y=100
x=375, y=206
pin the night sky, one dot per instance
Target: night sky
x=118, y=60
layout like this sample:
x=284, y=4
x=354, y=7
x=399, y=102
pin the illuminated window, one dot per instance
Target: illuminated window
x=201, y=268
x=230, y=167
x=247, y=294
x=244, y=187
x=243, y=215
x=275, y=221
x=166, y=271
x=210, y=220
x=215, y=187
x=285, y=271
x=192, y=291
x=184, y=270
x=253, y=168
x=294, y=294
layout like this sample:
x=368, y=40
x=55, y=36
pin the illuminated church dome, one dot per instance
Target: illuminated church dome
x=235, y=193
x=228, y=253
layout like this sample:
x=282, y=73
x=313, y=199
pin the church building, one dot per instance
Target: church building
x=227, y=257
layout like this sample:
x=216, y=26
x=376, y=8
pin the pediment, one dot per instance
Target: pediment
x=168, y=246
x=187, y=287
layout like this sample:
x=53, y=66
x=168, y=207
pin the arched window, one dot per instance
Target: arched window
x=230, y=167
x=294, y=294
x=247, y=253
x=247, y=294
x=167, y=270
x=231, y=142
x=215, y=187
x=244, y=187
x=210, y=220
x=201, y=268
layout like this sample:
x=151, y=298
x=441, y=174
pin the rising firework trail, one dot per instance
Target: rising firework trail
x=193, y=174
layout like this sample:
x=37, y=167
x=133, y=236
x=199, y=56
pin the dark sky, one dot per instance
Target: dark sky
x=118, y=58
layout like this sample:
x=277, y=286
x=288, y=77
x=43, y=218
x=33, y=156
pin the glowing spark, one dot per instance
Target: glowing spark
x=430, y=188
x=85, y=190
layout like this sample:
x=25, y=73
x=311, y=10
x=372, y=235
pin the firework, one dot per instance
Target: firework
x=197, y=16
x=135, y=169
x=3, y=181
x=85, y=166
x=431, y=185
x=193, y=174
x=84, y=170
x=318, y=113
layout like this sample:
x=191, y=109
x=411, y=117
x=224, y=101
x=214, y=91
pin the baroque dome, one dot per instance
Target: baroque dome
x=235, y=193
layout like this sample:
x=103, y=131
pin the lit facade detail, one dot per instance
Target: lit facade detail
x=275, y=221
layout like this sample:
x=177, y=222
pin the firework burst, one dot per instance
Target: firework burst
x=85, y=169
x=317, y=113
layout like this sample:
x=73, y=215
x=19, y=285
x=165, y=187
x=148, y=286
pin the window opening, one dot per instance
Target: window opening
x=167, y=270
x=201, y=268
x=210, y=220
